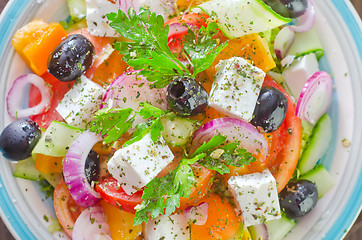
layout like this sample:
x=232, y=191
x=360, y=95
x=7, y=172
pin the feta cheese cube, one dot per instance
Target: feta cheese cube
x=173, y=227
x=236, y=88
x=160, y=7
x=97, y=21
x=81, y=102
x=137, y=164
x=257, y=196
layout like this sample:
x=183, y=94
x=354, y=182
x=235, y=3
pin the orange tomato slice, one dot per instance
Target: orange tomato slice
x=222, y=221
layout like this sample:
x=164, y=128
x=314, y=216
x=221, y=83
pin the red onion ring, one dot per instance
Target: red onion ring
x=73, y=170
x=235, y=130
x=13, y=99
x=197, y=214
x=283, y=41
x=91, y=224
x=315, y=98
x=306, y=21
x=129, y=90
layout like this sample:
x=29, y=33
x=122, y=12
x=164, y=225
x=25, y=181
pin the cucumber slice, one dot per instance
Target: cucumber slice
x=237, y=18
x=305, y=43
x=318, y=144
x=323, y=180
x=53, y=178
x=177, y=130
x=26, y=169
x=56, y=140
x=77, y=8
x=241, y=234
x=277, y=229
x=307, y=132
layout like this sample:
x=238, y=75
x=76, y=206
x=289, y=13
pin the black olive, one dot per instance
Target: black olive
x=270, y=109
x=186, y=96
x=72, y=57
x=288, y=8
x=278, y=7
x=296, y=7
x=91, y=167
x=19, y=138
x=298, y=198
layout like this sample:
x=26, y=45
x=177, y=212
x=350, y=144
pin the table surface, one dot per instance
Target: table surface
x=355, y=232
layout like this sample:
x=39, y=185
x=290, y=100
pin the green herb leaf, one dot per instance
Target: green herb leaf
x=214, y=142
x=202, y=48
x=149, y=50
x=236, y=156
x=162, y=195
x=153, y=126
x=113, y=123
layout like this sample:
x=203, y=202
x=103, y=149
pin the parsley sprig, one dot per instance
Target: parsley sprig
x=114, y=122
x=201, y=47
x=162, y=195
x=148, y=49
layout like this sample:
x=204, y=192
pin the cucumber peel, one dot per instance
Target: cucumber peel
x=318, y=144
x=278, y=228
x=237, y=18
x=323, y=180
x=26, y=169
x=305, y=43
x=56, y=140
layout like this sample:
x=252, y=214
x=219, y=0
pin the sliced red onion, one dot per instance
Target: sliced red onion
x=306, y=21
x=235, y=130
x=197, y=214
x=259, y=231
x=124, y=5
x=13, y=99
x=315, y=98
x=283, y=41
x=129, y=90
x=91, y=225
x=73, y=170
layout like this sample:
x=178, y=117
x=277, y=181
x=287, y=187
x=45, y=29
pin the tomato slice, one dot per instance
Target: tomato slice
x=285, y=143
x=111, y=191
x=65, y=207
x=222, y=220
x=59, y=89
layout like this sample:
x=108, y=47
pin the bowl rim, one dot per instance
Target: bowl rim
x=19, y=228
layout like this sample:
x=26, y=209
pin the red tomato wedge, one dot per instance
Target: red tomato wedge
x=65, y=208
x=59, y=89
x=111, y=191
x=285, y=143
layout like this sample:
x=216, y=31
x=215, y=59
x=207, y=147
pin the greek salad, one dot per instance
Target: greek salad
x=177, y=119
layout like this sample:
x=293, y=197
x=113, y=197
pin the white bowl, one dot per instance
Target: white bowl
x=23, y=206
